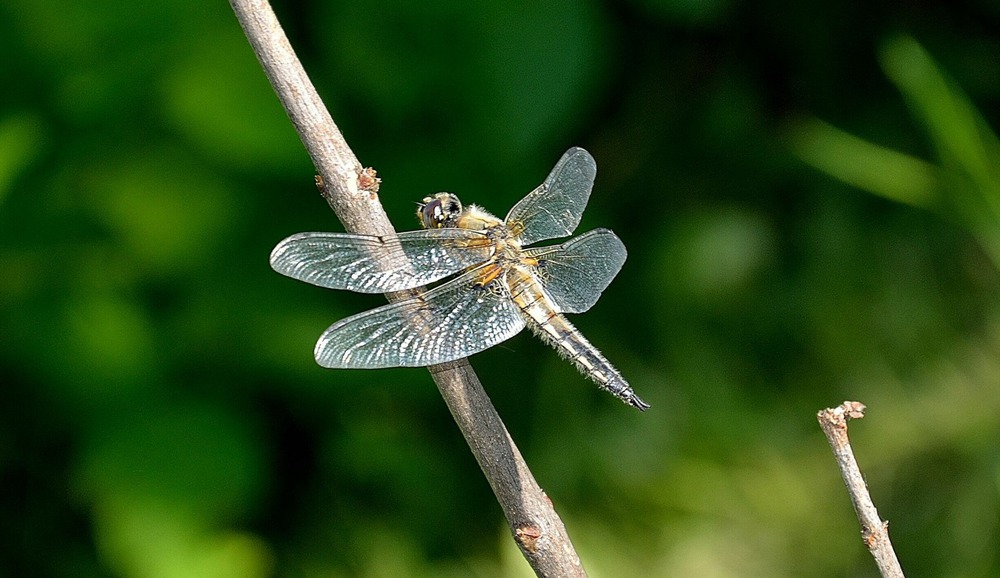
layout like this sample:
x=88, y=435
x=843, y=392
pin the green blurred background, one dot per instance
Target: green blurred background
x=809, y=193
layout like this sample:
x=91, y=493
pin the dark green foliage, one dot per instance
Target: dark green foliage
x=162, y=415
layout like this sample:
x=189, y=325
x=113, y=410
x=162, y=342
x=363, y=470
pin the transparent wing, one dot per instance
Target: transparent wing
x=554, y=209
x=369, y=264
x=448, y=322
x=576, y=273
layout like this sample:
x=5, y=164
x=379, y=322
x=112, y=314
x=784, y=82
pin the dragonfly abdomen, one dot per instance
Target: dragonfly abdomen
x=553, y=328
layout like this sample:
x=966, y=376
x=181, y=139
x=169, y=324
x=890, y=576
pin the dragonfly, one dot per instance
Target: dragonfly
x=497, y=286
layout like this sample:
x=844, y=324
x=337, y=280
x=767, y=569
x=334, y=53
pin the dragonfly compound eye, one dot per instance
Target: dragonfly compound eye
x=439, y=211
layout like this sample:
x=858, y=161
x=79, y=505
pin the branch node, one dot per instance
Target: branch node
x=527, y=535
x=368, y=181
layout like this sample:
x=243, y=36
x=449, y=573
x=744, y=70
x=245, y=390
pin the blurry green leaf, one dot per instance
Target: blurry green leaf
x=169, y=212
x=870, y=167
x=542, y=62
x=696, y=12
x=20, y=137
x=107, y=343
x=958, y=131
x=140, y=537
x=499, y=77
x=191, y=455
x=715, y=255
x=969, y=150
x=229, y=111
x=100, y=60
x=966, y=185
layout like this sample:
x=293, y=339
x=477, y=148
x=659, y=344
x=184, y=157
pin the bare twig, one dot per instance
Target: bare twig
x=536, y=527
x=874, y=531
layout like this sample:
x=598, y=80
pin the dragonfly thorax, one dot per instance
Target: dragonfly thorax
x=478, y=219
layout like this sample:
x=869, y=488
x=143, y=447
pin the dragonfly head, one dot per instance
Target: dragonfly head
x=440, y=211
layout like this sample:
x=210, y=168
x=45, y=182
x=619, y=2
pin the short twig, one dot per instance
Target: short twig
x=874, y=531
x=351, y=193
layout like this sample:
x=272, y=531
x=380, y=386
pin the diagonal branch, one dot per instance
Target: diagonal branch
x=536, y=527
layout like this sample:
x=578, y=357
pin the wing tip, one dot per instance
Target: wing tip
x=590, y=165
x=277, y=252
x=280, y=251
x=322, y=354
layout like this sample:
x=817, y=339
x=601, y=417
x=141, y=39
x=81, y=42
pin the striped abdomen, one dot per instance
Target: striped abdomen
x=541, y=316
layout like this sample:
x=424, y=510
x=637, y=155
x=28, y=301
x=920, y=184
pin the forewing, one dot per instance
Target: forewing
x=554, y=209
x=369, y=264
x=446, y=323
x=576, y=273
